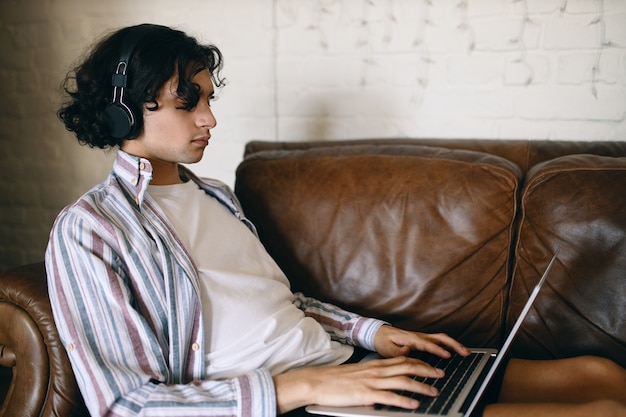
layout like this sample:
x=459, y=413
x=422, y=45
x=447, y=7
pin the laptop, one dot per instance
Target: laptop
x=466, y=380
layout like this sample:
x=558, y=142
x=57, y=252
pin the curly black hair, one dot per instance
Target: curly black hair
x=158, y=55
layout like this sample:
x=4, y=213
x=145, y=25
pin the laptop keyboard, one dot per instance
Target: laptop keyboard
x=458, y=370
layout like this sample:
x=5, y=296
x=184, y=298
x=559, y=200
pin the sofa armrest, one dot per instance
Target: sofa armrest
x=31, y=354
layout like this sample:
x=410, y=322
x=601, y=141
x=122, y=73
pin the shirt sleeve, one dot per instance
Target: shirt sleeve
x=342, y=325
x=122, y=365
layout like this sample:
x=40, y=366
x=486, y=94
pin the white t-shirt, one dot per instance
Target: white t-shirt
x=249, y=318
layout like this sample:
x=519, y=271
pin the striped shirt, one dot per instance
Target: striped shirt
x=125, y=298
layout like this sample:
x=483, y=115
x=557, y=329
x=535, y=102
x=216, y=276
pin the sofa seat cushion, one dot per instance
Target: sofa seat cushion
x=415, y=235
x=577, y=202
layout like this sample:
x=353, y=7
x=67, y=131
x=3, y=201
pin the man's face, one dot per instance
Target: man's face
x=172, y=134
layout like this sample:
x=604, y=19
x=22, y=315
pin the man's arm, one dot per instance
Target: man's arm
x=373, y=334
x=367, y=383
x=124, y=366
x=342, y=325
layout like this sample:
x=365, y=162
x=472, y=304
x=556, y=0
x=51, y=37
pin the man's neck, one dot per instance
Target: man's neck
x=165, y=173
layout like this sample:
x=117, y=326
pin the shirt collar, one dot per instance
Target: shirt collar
x=135, y=173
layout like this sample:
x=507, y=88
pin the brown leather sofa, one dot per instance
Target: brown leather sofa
x=429, y=234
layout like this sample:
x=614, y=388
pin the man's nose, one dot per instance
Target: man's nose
x=206, y=118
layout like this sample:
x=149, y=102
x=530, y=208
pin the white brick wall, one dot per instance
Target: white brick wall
x=315, y=69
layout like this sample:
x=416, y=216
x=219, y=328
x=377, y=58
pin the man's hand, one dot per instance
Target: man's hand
x=391, y=342
x=368, y=383
x=372, y=382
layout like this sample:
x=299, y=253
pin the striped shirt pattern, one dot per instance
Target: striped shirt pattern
x=125, y=298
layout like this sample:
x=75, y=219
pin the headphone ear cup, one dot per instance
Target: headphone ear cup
x=121, y=120
x=124, y=117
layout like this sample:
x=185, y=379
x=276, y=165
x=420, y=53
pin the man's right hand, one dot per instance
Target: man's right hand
x=368, y=383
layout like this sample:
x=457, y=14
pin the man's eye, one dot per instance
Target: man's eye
x=184, y=105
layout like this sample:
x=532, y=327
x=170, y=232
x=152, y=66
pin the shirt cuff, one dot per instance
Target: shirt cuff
x=258, y=395
x=364, y=332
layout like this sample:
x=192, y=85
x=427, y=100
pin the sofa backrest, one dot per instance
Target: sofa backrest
x=523, y=153
x=576, y=202
x=415, y=235
x=377, y=229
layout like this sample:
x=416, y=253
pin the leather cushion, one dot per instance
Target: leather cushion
x=415, y=235
x=522, y=152
x=43, y=382
x=577, y=202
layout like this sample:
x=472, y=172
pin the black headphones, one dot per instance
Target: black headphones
x=122, y=116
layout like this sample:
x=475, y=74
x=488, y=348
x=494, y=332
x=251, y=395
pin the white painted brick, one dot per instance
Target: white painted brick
x=407, y=70
x=482, y=8
x=527, y=70
x=507, y=34
x=536, y=7
x=319, y=69
x=579, y=130
x=468, y=103
x=576, y=68
x=438, y=126
x=615, y=29
x=564, y=103
x=448, y=37
x=476, y=69
x=517, y=128
x=582, y=6
x=572, y=32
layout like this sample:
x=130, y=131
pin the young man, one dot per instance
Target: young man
x=155, y=276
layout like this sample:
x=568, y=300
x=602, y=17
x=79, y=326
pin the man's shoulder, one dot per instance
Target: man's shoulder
x=216, y=184
x=204, y=182
x=99, y=201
